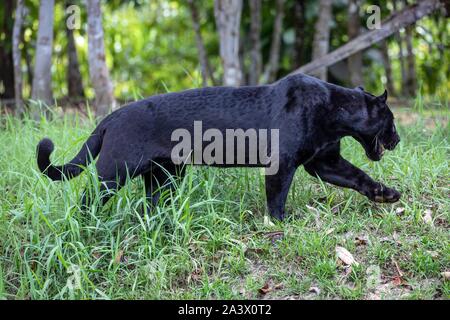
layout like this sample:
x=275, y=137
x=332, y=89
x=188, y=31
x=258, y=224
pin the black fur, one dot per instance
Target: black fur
x=312, y=117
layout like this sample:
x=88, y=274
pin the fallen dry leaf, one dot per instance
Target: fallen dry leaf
x=265, y=289
x=315, y=290
x=397, y=281
x=446, y=275
x=274, y=234
x=345, y=256
x=400, y=210
x=427, y=218
x=118, y=257
x=399, y=271
x=400, y=282
x=329, y=231
x=361, y=240
x=196, y=275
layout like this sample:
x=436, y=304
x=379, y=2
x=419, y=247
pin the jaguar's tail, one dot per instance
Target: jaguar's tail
x=89, y=150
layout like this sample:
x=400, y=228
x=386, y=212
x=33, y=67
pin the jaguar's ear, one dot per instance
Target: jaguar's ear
x=370, y=99
x=383, y=97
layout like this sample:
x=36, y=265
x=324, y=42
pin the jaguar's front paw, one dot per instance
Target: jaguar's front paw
x=384, y=194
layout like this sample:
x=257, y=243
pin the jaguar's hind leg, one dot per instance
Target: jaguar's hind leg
x=112, y=175
x=277, y=188
x=159, y=178
x=107, y=190
x=109, y=186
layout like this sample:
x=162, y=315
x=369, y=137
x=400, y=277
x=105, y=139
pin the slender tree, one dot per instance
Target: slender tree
x=202, y=55
x=243, y=40
x=17, y=55
x=354, y=62
x=387, y=67
x=6, y=54
x=228, y=18
x=255, y=41
x=410, y=82
x=98, y=71
x=401, y=52
x=272, y=67
x=28, y=60
x=74, y=80
x=42, y=81
x=299, y=27
x=322, y=36
x=410, y=72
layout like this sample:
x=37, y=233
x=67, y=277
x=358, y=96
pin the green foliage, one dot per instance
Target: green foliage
x=209, y=238
x=150, y=46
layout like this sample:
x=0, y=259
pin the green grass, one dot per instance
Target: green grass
x=210, y=238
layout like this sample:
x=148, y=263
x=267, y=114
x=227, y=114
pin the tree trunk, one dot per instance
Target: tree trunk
x=391, y=25
x=28, y=62
x=242, y=41
x=401, y=54
x=401, y=57
x=74, y=79
x=271, y=70
x=6, y=54
x=411, y=84
x=299, y=27
x=255, y=40
x=387, y=68
x=17, y=55
x=322, y=37
x=228, y=18
x=203, y=58
x=446, y=9
x=42, y=82
x=98, y=71
x=354, y=62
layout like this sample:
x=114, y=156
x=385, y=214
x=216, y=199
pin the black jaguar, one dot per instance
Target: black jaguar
x=312, y=116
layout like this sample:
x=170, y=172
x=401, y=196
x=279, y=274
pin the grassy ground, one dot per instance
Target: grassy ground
x=212, y=239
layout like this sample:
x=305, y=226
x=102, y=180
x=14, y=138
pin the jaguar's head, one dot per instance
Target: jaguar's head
x=372, y=124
